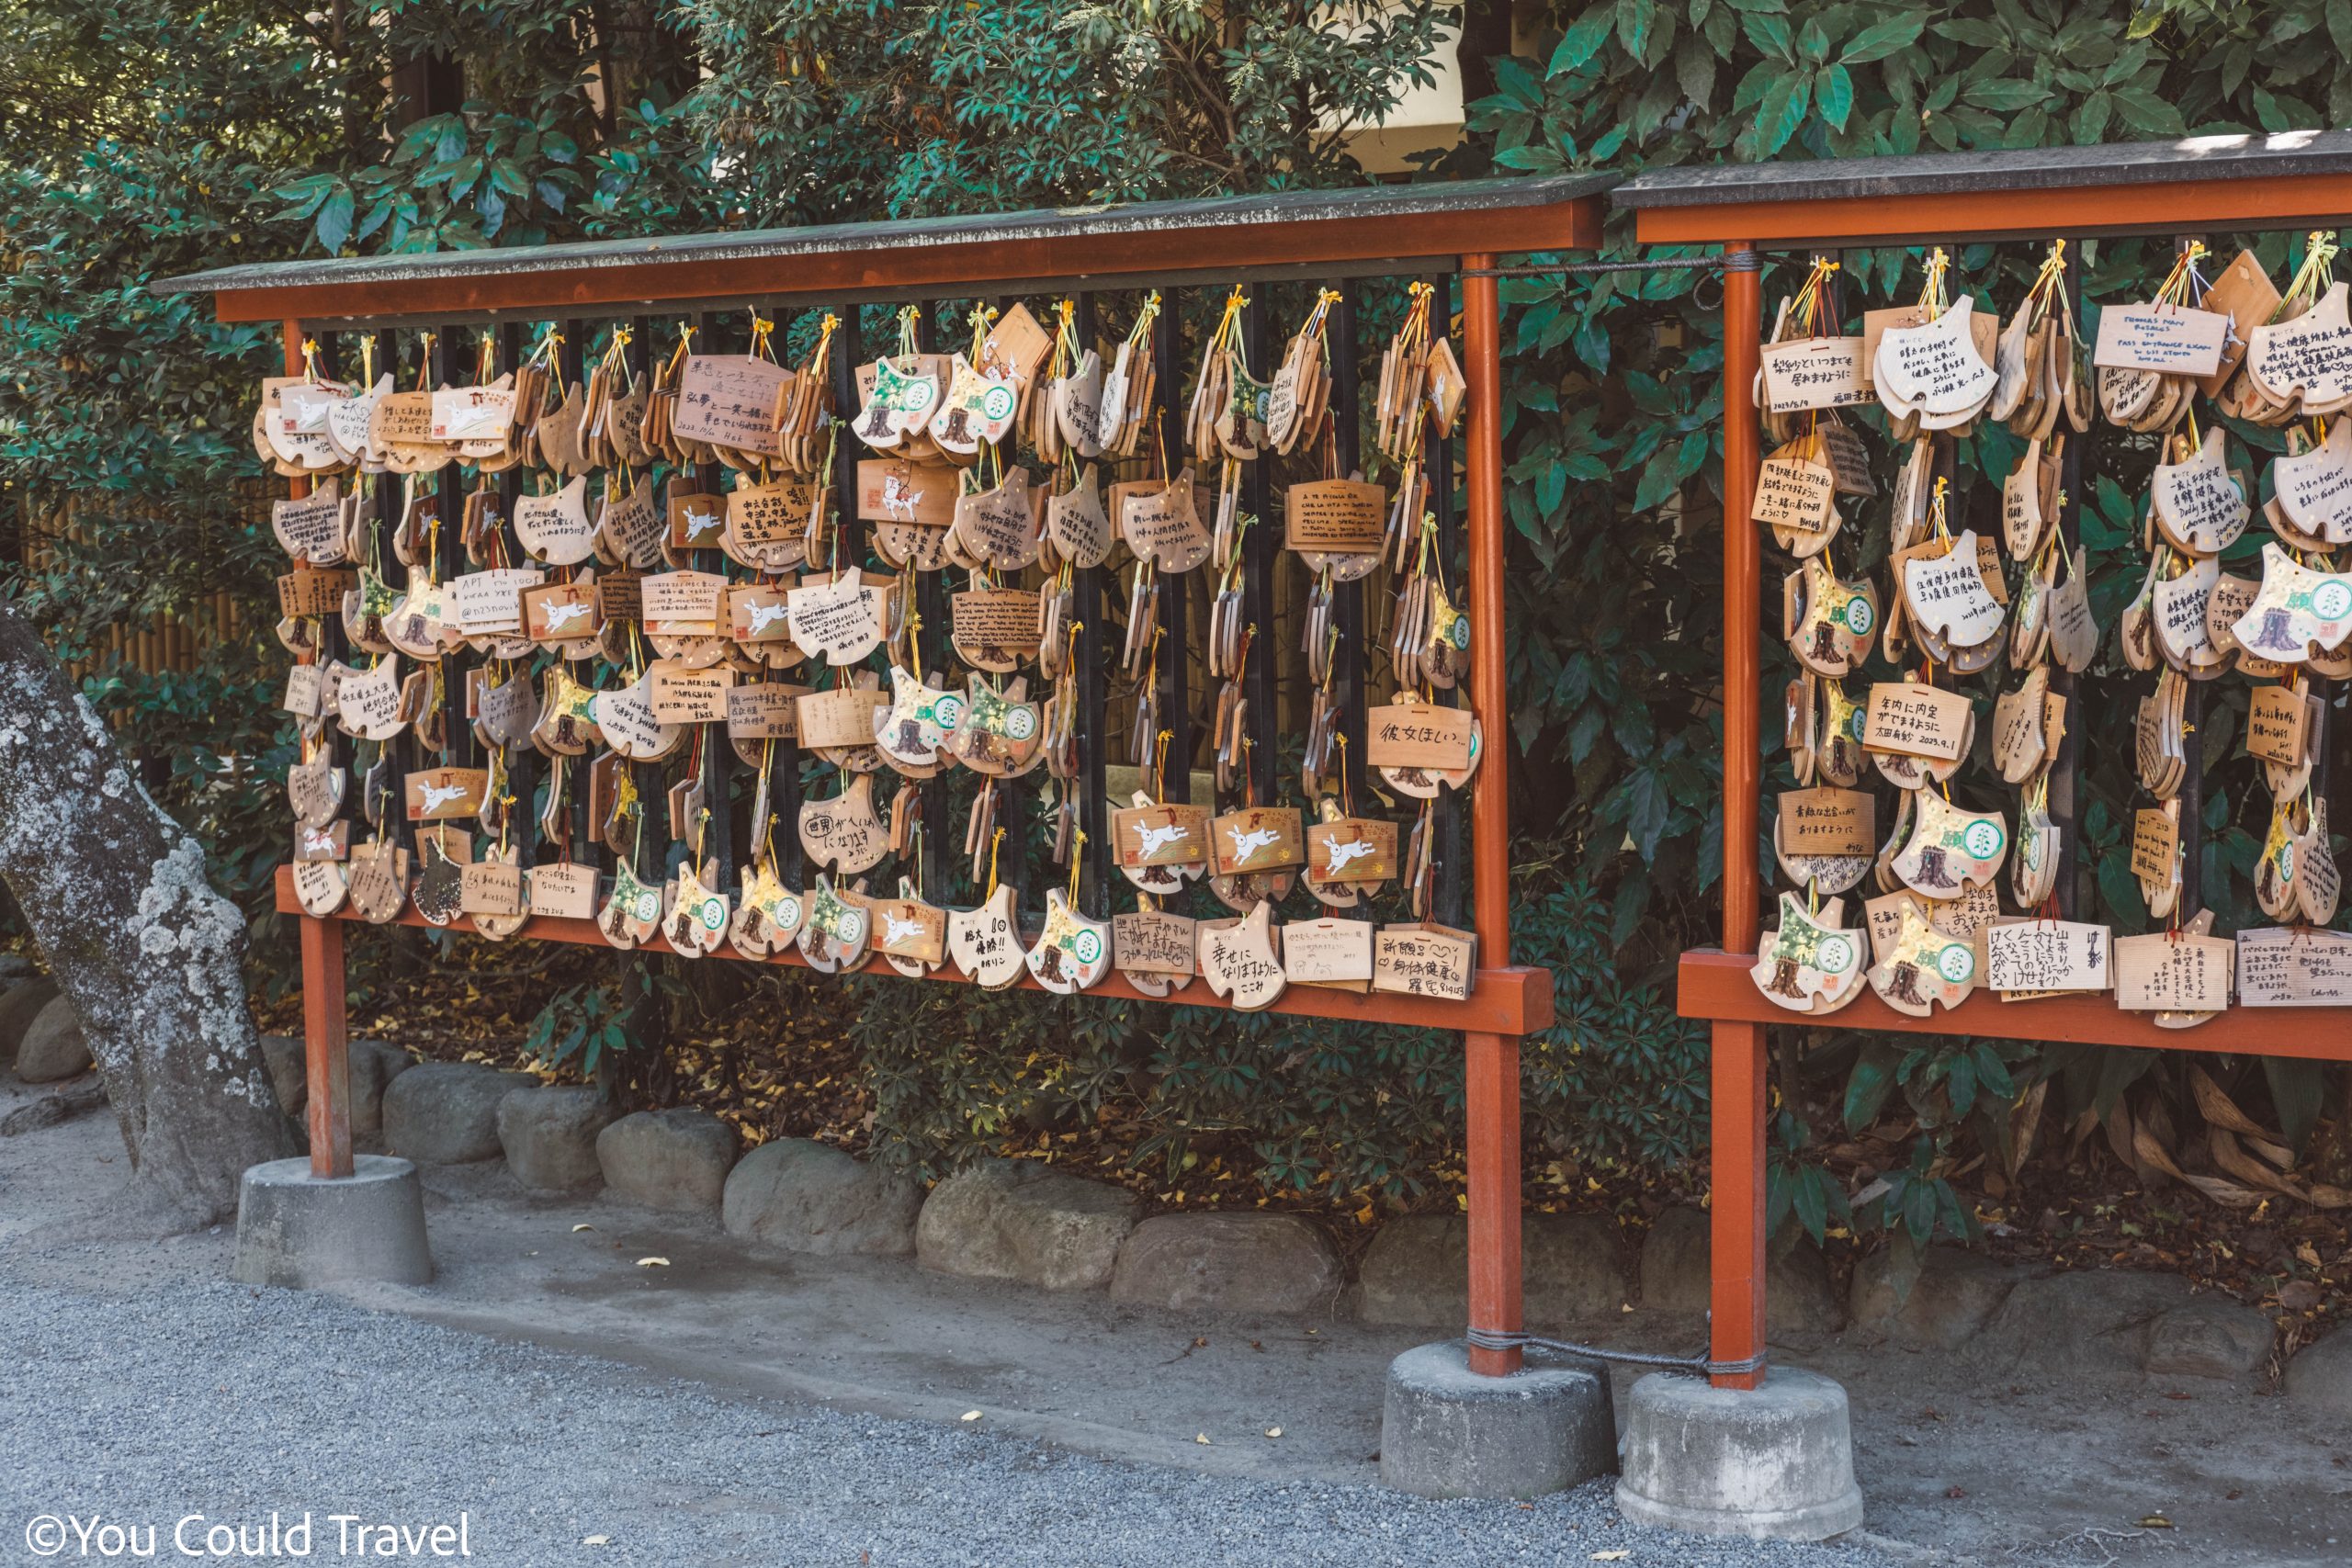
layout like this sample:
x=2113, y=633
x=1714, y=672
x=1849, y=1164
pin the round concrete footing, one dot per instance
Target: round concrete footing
x=1773, y=1462
x=300, y=1230
x=1446, y=1431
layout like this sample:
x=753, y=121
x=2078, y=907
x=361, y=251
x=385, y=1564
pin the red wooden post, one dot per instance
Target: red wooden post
x=1491, y=1061
x=326, y=1055
x=1735, y=1239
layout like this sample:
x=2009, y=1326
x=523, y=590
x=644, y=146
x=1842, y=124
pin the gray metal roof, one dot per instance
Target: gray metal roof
x=2035, y=168
x=1465, y=198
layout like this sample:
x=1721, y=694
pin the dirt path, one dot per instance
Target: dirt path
x=1954, y=1467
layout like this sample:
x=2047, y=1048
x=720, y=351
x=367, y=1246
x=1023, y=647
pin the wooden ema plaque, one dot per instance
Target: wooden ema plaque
x=767, y=710
x=1335, y=517
x=1166, y=834
x=2170, y=972
x=681, y=696
x=1329, y=952
x=1352, y=849
x=564, y=890
x=1916, y=721
x=2298, y=967
x=1152, y=941
x=308, y=591
x=891, y=490
x=1263, y=838
x=1425, y=960
x=492, y=888
x=1829, y=822
x=731, y=399
x=440, y=794
x=1417, y=735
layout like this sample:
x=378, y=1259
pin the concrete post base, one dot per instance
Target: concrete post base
x=1774, y=1462
x=1446, y=1431
x=300, y=1230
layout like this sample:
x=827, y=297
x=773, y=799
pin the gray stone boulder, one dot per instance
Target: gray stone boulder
x=447, y=1112
x=549, y=1136
x=804, y=1196
x=2320, y=1377
x=289, y=1071
x=1008, y=1219
x=1675, y=1276
x=53, y=1048
x=2090, y=1320
x=1417, y=1271
x=2212, y=1336
x=373, y=1067
x=675, y=1159
x=1238, y=1262
x=1954, y=1294
x=18, y=1008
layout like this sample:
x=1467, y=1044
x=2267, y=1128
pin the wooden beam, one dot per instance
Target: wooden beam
x=1713, y=984
x=2294, y=201
x=1509, y=1001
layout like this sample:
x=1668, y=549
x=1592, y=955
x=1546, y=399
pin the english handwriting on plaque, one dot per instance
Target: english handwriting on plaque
x=2161, y=337
x=1335, y=517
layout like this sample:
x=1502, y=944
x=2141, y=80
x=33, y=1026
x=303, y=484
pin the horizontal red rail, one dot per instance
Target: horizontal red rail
x=1714, y=985
x=1515, y=1000
x=2175, y=207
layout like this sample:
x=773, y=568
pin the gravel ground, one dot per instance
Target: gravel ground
x=186, y=1397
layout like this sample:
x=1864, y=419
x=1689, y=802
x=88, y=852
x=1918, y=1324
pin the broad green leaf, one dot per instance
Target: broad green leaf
x=1832, y=94
x=1583, y=40
x=1884, y=38
x=334, y=221
x=1783, y=111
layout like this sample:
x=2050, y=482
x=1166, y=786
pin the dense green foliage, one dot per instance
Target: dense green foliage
x=155, y=137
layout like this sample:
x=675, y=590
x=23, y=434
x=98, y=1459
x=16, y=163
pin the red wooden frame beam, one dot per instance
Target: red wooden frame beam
x=1510, y=1000
x=1711, y=983
x=982, y=265
x=2174, y=207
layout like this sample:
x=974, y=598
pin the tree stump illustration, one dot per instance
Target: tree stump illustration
x=1784, y=980
x=1906, y=985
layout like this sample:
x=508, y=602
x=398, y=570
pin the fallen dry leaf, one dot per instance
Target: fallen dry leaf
x=1201, y=1438
x=577, y=1229
x=1273, y=1431
x=595, y=1541
x=970, y=1415
x=2156, y=1522
x=653, y=1263
x=1614, y=1555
